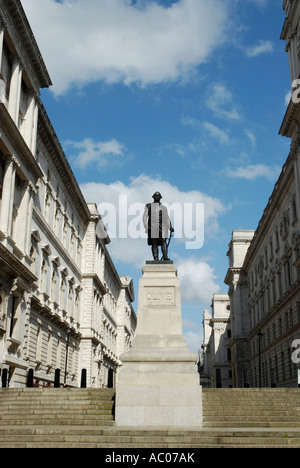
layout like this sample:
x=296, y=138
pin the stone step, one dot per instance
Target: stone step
x=58, y=404
x=59, y=422
x=54, y=416
x=23, y=412
x=252, y=401
x=33, y=398
x=101, y=438
x=38, y=415
x=254, y=419
x=249, y=412
x=246, y=424
x=54, y=393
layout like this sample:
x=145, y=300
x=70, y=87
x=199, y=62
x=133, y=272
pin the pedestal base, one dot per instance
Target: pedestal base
x=159, y=406
x=158, y=385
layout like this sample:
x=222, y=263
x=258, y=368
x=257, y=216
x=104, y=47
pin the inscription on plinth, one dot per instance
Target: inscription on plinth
x=156, y=296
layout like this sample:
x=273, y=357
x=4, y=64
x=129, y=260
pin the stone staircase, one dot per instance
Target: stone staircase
x=84, y=418
x=62, y=407
x=251, y=408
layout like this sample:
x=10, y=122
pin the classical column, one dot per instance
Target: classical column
x=2, y=28
x=296, y=148
x=24, y=216
x=30, y=132
x=33, y=143
x=15, y=89
x=32, y=193
x=8, y=196
x=2, y=84
x=27, y=133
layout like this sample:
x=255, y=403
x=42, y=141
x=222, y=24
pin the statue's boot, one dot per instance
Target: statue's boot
x=164, y=249
x=155, y=252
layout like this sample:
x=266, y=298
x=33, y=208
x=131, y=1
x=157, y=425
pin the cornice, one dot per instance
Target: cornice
x=291, y=120
x=93, y=276
x=16, y=140
x=230, y=273
x=14, y=18
x=288, y=23
x=16, y=267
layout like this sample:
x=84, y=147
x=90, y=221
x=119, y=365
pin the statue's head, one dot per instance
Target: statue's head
x=157, y=196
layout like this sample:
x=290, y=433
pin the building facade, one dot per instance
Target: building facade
x=264, y=265
x=63, y=306
x=236, y=279
x=215, y=369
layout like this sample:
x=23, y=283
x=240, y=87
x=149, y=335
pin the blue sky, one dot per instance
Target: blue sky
x=182, y=96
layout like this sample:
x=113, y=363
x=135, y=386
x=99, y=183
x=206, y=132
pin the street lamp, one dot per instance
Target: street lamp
x=260, y=335
x=67, y=353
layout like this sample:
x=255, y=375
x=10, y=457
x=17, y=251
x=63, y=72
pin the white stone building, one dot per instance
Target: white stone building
x=236, y=279
x=62, y=304
x=264, y=265
x=215, y=370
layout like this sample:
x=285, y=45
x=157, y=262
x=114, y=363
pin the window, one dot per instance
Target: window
x=277, y=240
x=5, y=74
x=280, y=326
x=54, y=284
x=283, y=365
x=18, y=195
x=2, y=311
x=287, y=326
x=271, y=249
x=44, y=275
x=288, y=273
x=294, y=210
x=2, y=173
x=14, y=317
x=23, y=108
x=39, y=340
x=274, y=331
x=279, y=284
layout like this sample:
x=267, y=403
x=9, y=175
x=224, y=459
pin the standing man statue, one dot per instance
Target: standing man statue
x=157, y=224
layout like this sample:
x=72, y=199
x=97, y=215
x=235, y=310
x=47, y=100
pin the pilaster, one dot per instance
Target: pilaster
x=2, y=29
x=15, y=89
x=8, y=196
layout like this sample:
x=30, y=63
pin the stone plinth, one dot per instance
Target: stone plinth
x=158, y=384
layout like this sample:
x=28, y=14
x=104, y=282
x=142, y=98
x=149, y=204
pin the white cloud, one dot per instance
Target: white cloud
x=103, y=155
x=259, y=3
x=192, y=340
x=252, y=172
x=287, y=98
x=188, y=324
x=140, y=42
x=216, y=133
x=128, y=202
x=251, y=137
x=263, y=47
x=197, y=281
x=220, y=101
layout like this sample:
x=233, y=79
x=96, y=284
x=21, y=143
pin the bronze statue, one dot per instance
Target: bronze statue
x=158, y=225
